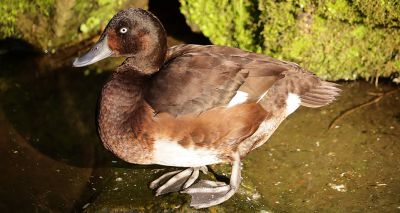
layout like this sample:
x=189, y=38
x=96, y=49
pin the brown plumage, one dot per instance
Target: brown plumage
x=193, y=105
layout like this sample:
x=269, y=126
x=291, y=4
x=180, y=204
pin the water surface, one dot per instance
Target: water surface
x=52, y=159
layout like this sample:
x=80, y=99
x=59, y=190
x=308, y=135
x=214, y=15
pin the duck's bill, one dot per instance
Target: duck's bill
x=98, y=52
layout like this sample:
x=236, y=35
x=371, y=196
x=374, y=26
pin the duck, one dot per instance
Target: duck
x=190, y=106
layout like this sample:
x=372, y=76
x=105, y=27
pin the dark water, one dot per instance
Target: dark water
x=52, y=160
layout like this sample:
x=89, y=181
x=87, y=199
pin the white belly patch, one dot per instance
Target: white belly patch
x=170, y=153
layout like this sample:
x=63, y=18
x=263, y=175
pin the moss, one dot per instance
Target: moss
x=98, y=18
x=281, y=16
x=14, y=9
x=396, y=64
x=336, y=39
x=49, y=24
x=340, y=10
x=374, y=12
x=219, y=25
x=334, y=50
x=380, y=12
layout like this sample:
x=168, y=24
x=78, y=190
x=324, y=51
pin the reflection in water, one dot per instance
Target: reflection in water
x=47, y=135
x=52, y=110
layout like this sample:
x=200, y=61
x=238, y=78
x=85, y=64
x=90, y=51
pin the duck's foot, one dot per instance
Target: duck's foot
x=177, y=180
x=209, y=193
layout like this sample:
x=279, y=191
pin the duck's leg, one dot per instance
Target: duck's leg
x=209, y=193
x=177, y=180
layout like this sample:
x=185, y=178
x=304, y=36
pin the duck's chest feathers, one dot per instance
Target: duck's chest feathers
x=171, y=153
x=122, y=118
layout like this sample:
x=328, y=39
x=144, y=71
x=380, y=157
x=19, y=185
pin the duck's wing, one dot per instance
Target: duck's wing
x=197, y=78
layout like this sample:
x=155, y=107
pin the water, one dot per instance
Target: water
x=353, y=167
x=52, y=159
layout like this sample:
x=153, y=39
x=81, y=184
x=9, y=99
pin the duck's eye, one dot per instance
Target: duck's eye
x=123, y=30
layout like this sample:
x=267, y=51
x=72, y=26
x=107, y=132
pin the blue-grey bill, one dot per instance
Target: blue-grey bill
x=98, y=52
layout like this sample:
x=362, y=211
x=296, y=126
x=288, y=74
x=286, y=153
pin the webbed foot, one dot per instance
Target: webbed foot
x=209, y=193
x=177, y=180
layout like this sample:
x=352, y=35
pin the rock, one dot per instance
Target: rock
x=335, y=39
x=131, y=192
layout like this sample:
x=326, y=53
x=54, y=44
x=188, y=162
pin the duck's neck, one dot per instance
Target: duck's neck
x=121, y=115
x=150, y=48
x=148, y=64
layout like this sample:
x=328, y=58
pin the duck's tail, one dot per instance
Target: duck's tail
x=321, y=95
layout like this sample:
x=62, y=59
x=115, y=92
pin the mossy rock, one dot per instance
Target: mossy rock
x=125, y=189
x=50, y=24
x=336, y=39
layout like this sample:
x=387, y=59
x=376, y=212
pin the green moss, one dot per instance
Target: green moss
x=396, y=64
x=374, y=12
x=360, y=32
x=340, y=10
x=220, y=25
x=281, y=16
x=99, y=18
x=380, y=12
x=336, y=39
x=49, y=24
x=335, y=50
x=299, y=46
x=14, y=9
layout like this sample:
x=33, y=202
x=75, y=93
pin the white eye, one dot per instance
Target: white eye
x=123, y=30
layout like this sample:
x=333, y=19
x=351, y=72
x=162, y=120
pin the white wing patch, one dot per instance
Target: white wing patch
x=170, y=153
x=292, y=103
x=239, y=98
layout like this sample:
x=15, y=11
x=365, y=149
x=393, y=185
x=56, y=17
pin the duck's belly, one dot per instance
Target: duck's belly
x=171, y=153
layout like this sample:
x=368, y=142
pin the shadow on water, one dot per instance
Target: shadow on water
x=17, y=46
x=51, y=110
x=49, y=147
x=46, y=141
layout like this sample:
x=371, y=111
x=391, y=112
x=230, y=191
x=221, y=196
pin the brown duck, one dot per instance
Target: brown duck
x=192, y=105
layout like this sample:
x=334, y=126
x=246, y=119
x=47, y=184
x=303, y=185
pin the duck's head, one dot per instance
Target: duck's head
x=133, y=33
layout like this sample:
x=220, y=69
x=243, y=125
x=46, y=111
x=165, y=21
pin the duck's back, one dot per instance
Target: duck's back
x=197, y=78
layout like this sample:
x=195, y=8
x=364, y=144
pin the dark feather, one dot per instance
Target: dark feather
x=197, y=78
